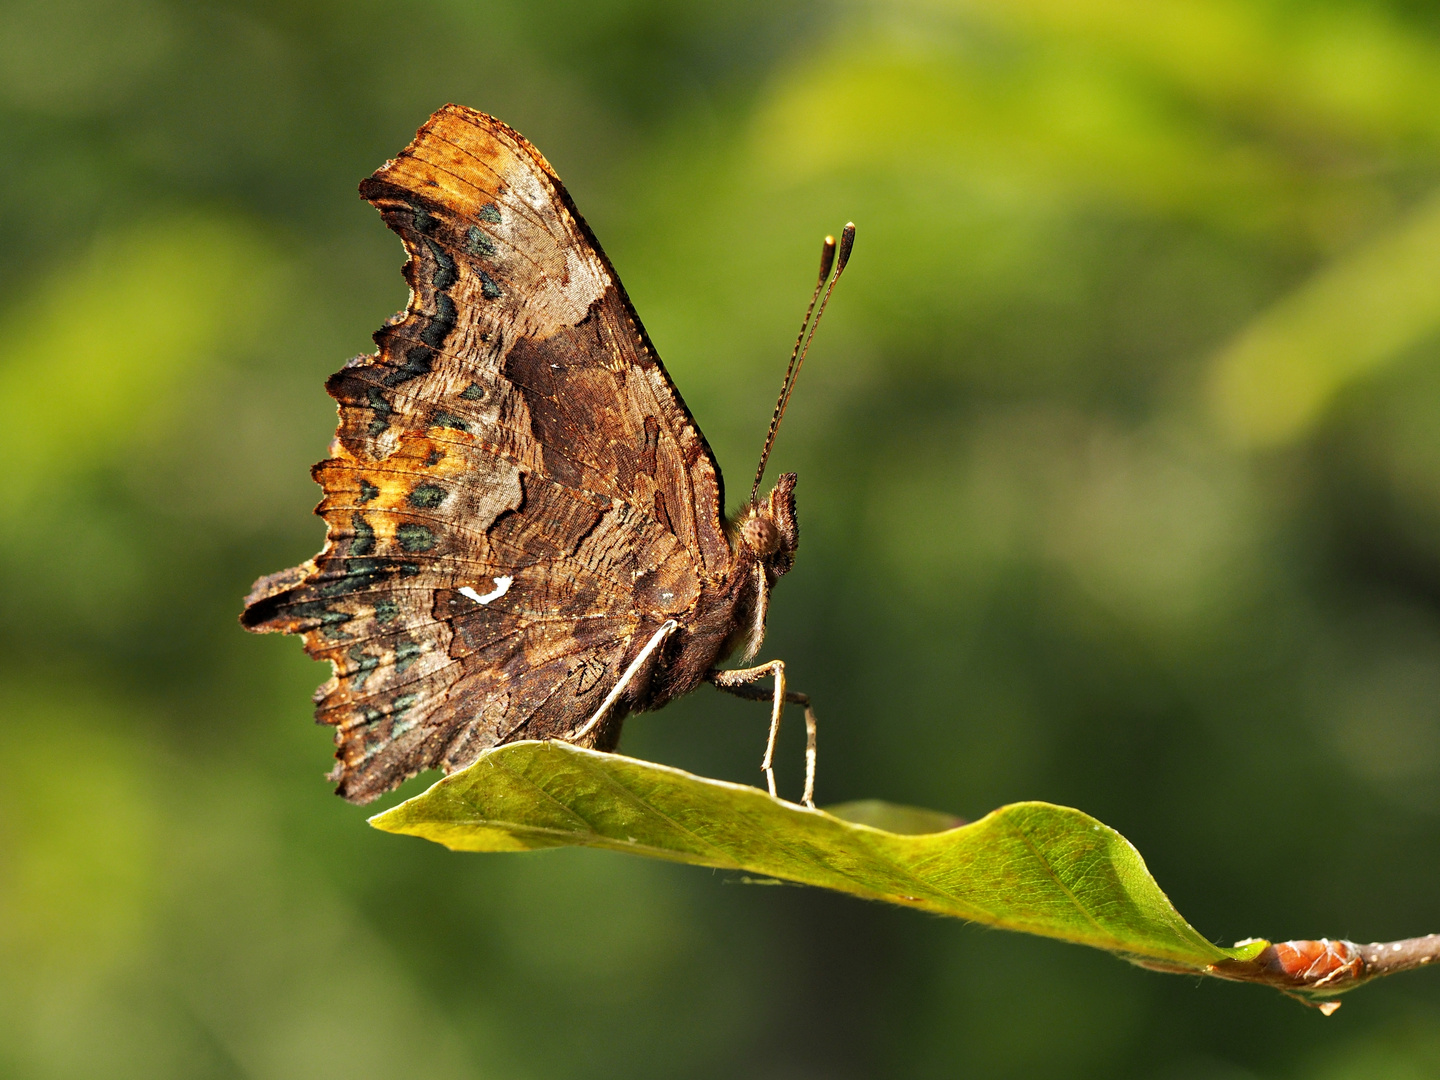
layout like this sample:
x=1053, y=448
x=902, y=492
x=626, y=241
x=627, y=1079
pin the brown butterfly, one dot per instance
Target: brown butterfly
x=524, y=523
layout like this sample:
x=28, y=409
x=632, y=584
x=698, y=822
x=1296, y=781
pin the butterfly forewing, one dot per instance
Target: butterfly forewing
x=517, y=495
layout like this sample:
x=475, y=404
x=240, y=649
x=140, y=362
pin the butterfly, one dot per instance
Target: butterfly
x=524, y=524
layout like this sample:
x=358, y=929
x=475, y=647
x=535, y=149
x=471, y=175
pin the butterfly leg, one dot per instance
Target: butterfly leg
x=624, y=681
x=738, y=682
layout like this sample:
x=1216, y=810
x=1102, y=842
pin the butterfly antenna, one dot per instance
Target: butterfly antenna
x=827, y=262
x=829, y=258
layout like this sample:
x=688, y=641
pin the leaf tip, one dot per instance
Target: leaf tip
x=377, y=821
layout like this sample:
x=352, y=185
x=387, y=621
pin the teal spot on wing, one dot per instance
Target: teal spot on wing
x=381, y=408
x=363, y=543
x=488, y=288
x=439, y=325
x=368, y=490
x=473, y=392
x=444, y=275
x=371, y=716
x=489, y=212
x=329, y=619
x=406, y=653
x=385, y=610
x=401, y=705
x=357, y=574
x=477, y=243
x=364, y=665
x=423, y=220
x=427, y=496
x=416, y=363
x=330, y=627
x=414, y=537
x=449, y=420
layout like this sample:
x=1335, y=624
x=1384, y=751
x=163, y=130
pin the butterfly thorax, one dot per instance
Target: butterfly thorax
x=729, y=617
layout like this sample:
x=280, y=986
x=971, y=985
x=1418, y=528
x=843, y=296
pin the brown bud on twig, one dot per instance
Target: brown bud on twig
x=1311, y=969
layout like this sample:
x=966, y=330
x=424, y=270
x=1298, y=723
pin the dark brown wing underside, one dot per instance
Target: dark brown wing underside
x=517, y=496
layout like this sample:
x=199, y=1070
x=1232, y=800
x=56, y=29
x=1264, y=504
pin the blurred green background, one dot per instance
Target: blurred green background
x=1120, y=487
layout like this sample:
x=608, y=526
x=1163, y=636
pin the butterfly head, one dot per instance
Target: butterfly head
x=769, y=530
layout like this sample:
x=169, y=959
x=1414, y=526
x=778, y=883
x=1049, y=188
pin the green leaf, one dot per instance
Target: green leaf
x=1031, y=866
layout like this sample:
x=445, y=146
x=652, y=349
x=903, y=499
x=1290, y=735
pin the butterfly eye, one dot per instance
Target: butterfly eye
x=760, y=535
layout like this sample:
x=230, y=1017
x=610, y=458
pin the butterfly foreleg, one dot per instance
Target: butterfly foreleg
x=739, y=682
x=619, y=688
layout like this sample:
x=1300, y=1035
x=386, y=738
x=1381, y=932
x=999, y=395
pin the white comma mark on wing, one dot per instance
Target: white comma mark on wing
x=502, y=586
